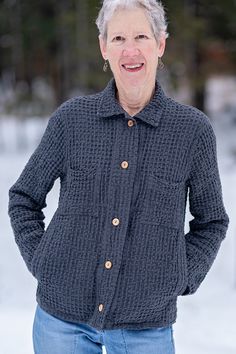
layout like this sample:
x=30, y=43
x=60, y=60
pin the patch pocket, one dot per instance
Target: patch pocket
x=39, y=253
x=53, y=248
x=82, y=191
x=36, y=260
x=164, y=202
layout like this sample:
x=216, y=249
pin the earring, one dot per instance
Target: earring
x=105, y=66
x=160, y=63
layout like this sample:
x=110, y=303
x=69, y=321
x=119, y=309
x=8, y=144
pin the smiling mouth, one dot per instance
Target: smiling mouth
x=133, y=68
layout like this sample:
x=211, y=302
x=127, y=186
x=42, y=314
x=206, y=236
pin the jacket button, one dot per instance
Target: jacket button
x=130, y=123
x=100, y=307
x=108, y=264
x=115, y=221
x=124, y=164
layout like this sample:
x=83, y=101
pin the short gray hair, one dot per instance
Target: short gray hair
x=154, y=11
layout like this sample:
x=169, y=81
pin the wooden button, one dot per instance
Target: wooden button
x=108, y=264
x=130, y=123
x=115, y=221
x=100, y=307
x=124, y=164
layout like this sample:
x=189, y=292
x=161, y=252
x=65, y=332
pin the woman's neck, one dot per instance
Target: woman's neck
x=134, y=102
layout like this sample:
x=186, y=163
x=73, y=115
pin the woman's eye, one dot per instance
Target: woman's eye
x=142, y=36
x=118, y=38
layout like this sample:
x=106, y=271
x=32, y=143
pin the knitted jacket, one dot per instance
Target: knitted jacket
x=115, y=254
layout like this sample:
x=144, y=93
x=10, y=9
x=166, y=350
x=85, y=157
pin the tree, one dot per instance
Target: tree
x=199, y=32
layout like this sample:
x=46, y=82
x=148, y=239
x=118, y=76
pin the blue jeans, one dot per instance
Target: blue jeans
x=52, y=335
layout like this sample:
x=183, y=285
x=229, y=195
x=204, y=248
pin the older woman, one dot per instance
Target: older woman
x=114, y=257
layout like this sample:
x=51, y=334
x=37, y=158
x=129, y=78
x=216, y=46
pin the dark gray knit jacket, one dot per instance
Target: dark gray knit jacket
x=115, y=254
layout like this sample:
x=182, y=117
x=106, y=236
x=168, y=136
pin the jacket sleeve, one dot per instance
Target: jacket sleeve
x=208, y=227
x=27, y=196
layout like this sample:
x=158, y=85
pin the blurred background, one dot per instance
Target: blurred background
x=48, y=53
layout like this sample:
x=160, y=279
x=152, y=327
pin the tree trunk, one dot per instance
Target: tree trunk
x=194, y=54
x=63, y=53
x=82, y=41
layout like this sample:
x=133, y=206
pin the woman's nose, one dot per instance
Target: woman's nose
x=130, y=48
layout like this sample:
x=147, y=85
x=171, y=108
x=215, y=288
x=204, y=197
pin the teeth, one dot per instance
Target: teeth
x=133, y=66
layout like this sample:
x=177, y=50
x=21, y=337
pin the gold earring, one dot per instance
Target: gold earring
x=105, y=66
x=160, y=63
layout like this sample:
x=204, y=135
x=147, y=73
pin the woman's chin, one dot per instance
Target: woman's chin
x=132, y=80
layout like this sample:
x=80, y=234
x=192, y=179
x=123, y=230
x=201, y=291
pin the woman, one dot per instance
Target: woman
x=114, y=257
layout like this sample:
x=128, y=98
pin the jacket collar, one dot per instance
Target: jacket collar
x=109, y=106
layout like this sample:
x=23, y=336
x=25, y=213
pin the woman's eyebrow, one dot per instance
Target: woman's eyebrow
x=116, y=33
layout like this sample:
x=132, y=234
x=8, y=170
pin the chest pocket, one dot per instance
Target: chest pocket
x=164, y=202
x=82, y=191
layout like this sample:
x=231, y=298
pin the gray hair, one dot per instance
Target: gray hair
x=154, y=11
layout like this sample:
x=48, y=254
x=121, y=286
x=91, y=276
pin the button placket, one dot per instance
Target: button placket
x=115, y=221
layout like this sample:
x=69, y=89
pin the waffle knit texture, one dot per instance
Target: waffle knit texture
x=123, y=193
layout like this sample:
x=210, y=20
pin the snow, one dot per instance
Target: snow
x=206, y=320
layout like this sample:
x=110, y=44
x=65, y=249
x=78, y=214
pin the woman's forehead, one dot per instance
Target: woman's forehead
x=125, y=20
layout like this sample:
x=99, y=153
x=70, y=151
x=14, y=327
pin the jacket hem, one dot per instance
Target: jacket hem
x=108, y=325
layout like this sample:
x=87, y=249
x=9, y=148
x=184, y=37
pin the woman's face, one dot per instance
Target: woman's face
x=130, y=41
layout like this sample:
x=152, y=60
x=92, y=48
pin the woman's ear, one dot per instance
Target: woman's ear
x=161, y=45
x=102, y=45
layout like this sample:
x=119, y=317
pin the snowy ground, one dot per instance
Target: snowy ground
x=206, y=320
